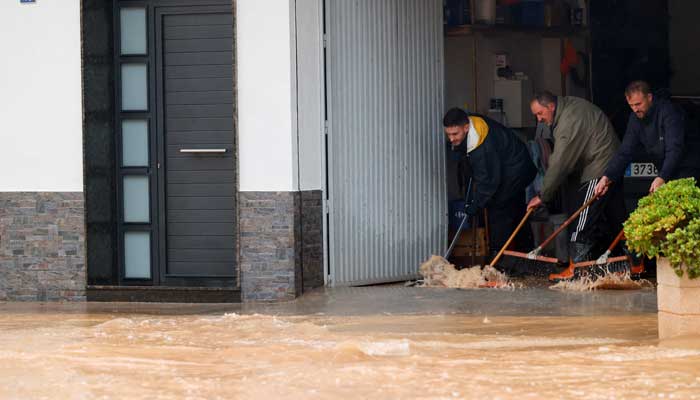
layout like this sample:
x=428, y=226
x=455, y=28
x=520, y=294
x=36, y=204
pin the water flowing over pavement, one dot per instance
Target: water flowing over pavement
x=295, y=351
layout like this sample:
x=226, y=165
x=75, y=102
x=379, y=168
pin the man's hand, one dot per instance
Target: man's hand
x=656, y=184
x=602, y=187
x=534, y=203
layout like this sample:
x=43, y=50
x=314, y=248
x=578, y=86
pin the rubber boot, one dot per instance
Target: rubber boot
x=578, y=252
x=567, y=273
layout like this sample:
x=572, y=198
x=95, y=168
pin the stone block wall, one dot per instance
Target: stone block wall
x=281, y=245
x=270, y=249
x=42, y=246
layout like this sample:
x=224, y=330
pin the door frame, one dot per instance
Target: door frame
x=308, y=25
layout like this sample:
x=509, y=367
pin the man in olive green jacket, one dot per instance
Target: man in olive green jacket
x=584, y=143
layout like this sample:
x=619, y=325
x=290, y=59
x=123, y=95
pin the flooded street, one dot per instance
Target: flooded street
x=170, y=351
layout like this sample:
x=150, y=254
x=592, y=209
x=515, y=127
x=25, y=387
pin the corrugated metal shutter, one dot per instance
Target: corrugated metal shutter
x=386, y=151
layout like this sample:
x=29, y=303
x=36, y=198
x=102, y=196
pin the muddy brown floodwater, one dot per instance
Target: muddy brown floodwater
x=103, y=355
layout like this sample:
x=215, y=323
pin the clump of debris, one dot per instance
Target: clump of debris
x=438, y=272
x=607, y=281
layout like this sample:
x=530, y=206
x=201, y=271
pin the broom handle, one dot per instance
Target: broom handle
x=617, y=240
x=567, y=222
x=461, y=225
x=512, y=236
x=603, y=259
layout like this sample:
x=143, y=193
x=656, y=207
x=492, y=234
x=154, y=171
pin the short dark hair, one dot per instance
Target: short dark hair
x=544, y=98
x=637, y=86
x=455, y=117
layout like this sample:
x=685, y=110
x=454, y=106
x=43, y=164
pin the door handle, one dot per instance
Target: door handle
x=203, y=151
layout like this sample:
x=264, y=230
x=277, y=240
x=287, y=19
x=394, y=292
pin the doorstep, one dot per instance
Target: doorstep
x=162, y=294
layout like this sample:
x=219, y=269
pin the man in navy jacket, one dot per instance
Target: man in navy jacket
x=657, y=130
x=501, y=169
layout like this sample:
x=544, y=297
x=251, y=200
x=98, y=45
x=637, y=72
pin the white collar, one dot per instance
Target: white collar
x=472, y=137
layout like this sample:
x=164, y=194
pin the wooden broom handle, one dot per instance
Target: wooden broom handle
x=568, y=221
x=512, y=236
x=617, y=239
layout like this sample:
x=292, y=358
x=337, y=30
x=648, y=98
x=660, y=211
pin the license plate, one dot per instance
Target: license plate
x=641, y=170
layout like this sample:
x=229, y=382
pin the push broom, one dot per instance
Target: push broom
x=536, y=262
x=602, y=265
x=497, y=284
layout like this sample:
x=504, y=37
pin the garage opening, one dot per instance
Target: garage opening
x=393, y=68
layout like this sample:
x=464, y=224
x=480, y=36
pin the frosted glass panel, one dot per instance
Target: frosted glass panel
x=133, y=30
x=137, y=255
x=136, y=199
x=134, y=87
x=135, y=143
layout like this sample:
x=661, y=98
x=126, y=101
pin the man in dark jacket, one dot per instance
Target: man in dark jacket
x=584, y=143
x=501, y=170
x=656, y=130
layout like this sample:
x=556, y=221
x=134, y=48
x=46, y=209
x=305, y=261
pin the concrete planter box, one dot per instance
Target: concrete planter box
x=678, y=302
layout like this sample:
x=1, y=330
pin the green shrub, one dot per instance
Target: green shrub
x=667, y=223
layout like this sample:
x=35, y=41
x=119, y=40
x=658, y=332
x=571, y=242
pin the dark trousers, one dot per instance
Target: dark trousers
x=597, y=225
x=504, y=217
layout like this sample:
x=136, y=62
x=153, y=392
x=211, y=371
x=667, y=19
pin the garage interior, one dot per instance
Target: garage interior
x=496, y=54
x=589, y=49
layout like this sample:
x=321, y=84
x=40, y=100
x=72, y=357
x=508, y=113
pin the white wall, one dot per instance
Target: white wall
x=309, y=34
x=40, y=96
x=526, y=53
x=266, y=95
x=459, y=72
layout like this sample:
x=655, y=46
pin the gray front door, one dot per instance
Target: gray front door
x=197, y=173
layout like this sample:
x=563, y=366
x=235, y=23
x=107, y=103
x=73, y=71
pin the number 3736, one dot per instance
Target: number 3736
x=643, y=169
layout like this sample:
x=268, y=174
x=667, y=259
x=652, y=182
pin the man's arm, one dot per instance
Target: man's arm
x=614, y=172
x=631, y=146
x=673, y=124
